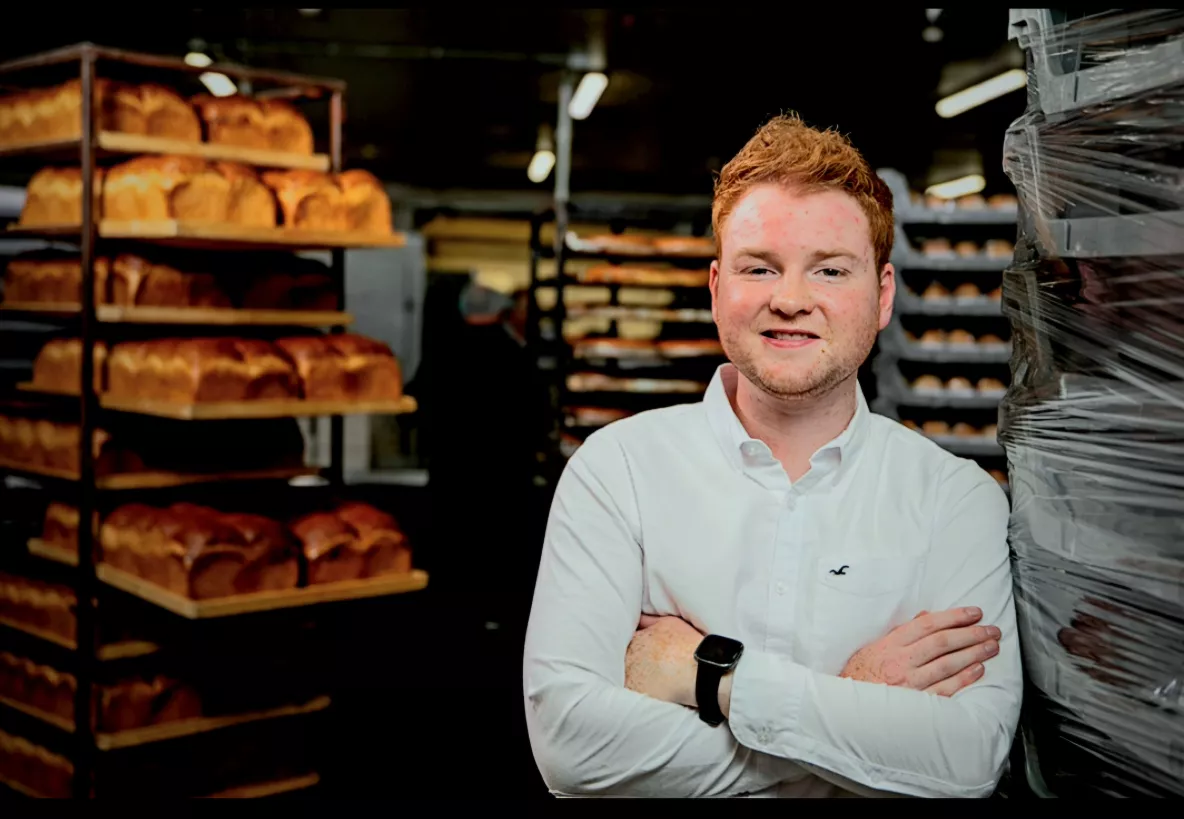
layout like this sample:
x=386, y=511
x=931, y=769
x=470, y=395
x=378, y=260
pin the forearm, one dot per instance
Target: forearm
x=593, y=738
x=877, y=736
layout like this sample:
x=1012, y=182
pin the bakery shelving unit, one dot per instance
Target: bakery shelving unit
x=105, y=600
x=658, y=307
x=954, y=407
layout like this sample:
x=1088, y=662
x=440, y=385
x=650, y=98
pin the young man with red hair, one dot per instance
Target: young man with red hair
x=824, y=595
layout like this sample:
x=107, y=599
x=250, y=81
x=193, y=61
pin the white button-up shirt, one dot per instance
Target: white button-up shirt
x=678, y=511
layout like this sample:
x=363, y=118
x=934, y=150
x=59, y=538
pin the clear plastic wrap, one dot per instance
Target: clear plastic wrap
x=1093, y=423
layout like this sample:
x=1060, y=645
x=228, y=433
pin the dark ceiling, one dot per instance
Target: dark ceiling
x=452, y=98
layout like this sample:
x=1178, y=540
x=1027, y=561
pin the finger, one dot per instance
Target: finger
x=923, y=626
x=648, y=620
x=952, y=664
x=952, y=685
x=945, y=642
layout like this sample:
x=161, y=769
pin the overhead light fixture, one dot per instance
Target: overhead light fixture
x=932, y=34
x=540, y=165
x=197, y=59
x=587, y=93
x=932, y=14
x=219, y=84
x=962, y=186
x=985, y=91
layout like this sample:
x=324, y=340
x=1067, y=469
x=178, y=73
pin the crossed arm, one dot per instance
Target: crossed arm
x=591, y=735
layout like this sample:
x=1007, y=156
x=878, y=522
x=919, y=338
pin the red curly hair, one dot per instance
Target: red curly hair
x=787, y=151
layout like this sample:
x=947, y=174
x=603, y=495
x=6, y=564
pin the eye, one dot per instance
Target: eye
x=760, y=271
x=832, y=273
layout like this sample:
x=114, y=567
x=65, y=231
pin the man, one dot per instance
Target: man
x=824, y=595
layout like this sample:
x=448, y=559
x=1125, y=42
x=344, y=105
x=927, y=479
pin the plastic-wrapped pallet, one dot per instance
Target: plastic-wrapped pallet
x=1093, y=422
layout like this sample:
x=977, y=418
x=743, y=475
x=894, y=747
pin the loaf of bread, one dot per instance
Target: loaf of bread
x=615, y=243
x=141, y=282
x=52, y=277
x=197, y=370
x=273, y=125
x=58, y=367
x=967, y=290
x=353, y=541
x=990, y=385
x=351, y=201
x=690, y=348
x=47, y=607
x=198, y=552
x=933, y=336
x=157, y=188
x=959, y=384
x=36, y=768
x=928, y=382
x=973, y=201
x=960, y=337
x=648, y=276
x=55, y=113
x=311, y=289
x=936, y=247
x=60, y=528
x=936, y=290
x=966, y=249
x=684, y=246
x=344, y=367
x=54, y=197
x=999, y=249
x=614, y=348
x=50, y=445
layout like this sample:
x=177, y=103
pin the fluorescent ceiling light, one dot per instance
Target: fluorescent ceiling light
x=540, y=165
x=985, y=91
x=197, y=59
x=587, y=93
x=219, y=84
x=962, y=186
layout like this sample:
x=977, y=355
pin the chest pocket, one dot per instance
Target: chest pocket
x=857, y=600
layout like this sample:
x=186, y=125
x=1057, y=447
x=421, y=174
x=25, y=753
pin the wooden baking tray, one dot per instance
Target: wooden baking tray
x=111, y=651
x=113, y=142
x=163, y=480
x=48, y=551
x=115, y=314
x=200, y=725
x=416, y=580
x=273, y=788
x=21, y=789
x=218, y=236
x=60, y=723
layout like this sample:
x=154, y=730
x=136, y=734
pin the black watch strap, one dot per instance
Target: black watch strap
x=707, y=693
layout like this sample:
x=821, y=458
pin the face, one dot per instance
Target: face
x=796, y=293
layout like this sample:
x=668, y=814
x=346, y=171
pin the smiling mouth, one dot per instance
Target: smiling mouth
x=789, y=335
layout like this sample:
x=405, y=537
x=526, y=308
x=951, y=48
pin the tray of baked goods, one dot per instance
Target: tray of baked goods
x=178, y=288
x=972, y=209
x=133, y=452
x=227, y=378
x=649, y=274
x=641, y=350
x=190, y=202
x=46, y=611
x=590, y=382
x=640, y=245
x=962, y=384
x=939, y=253
x=151, y=118
x=969, y=432
x=199, y=562
x=959, y=338
x=676, y=315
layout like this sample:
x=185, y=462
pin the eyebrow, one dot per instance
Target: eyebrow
x=772, y=258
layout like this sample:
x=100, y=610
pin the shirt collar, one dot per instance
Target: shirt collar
x=738, y=445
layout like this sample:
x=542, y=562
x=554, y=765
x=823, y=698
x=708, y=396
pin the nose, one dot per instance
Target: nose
x=792, y=295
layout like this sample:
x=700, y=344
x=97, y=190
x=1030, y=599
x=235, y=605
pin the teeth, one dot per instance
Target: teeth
x=790, y=336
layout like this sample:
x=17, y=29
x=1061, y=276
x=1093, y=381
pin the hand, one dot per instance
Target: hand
x=938, y=653
x=660, y=660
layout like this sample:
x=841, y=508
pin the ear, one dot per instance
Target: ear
x=887, y=294
x=713, y=284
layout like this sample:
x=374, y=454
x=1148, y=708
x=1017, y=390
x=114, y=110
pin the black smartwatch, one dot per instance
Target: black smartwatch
x=716, y=656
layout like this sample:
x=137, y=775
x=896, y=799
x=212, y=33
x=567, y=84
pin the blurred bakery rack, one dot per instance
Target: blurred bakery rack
x=619, y=314
x=114, y=679
x=944, y=359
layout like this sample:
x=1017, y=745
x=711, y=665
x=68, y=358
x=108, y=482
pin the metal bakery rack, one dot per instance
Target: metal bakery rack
x=272, y=643
x=960, y=413
x=672, y=305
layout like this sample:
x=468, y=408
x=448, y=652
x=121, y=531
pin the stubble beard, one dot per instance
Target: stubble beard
x=827, y=374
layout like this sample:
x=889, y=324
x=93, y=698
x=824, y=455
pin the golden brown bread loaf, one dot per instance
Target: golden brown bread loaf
x=200, y=369
x=199, y=552
x=61, y=526
x=688, y=347
x=56, y=113
x=38, y=769
x=630, y=245
x=42, y=444
x=52, y=277
x=47, y=607
x=54, y=197
x=267, y=124
x=282, y=290
x=352, y=542
x=684, y=246
x=351, y=201
x=344, y=366
x=632, y=274
x=157, y=188
x=58, y=367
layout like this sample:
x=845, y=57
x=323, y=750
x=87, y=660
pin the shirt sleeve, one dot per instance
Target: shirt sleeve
x=589, y=734
x=868, y=736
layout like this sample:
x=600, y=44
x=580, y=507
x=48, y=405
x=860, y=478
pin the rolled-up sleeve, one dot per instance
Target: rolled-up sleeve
x=867, y=736
x=589, y=734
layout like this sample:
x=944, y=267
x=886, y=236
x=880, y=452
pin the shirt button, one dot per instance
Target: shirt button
x=750, y=449
x=764, y=736
x=780, y=588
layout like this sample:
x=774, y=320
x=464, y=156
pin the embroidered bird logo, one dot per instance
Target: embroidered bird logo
x=841, y=570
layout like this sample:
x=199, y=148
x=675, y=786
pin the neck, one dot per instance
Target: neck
x=794, y=429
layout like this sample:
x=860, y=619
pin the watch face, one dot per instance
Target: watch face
x=719, y=651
